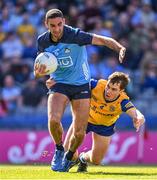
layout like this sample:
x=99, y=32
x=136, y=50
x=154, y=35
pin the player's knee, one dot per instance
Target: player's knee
x=54, y=119
x=79, y=134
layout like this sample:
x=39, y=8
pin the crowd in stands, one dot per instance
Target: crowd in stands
x=131, y=22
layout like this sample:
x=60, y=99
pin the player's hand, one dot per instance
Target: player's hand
x=138, y=122
x=122, y=54
x=40, y=70
x=49, y=83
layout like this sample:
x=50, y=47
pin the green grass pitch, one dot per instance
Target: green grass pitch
x=94, y=172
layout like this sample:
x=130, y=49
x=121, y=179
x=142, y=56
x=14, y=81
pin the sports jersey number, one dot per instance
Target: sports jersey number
x=65, y=61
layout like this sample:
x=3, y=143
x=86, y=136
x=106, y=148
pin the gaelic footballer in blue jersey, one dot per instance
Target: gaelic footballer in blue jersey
x=72, y=81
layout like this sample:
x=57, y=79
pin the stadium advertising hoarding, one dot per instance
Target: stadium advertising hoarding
x=20, y=147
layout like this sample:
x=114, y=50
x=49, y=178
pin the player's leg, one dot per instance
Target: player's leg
x=56, y=106
x=100, y=146
x=67, y=142
x=80, y=96
x=67, y=137
x=80, y=109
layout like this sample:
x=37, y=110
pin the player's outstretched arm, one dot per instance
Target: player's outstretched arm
x=137, y=117
x=110, y=43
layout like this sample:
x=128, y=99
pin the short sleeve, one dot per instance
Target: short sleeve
x=75, y=35
x=126, y=104
x=83, y=38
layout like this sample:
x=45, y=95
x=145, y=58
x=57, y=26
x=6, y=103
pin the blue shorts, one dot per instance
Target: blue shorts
x=72, y=91
x=101, y=129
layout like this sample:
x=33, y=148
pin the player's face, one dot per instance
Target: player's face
x=112, y=91
x=55, y=25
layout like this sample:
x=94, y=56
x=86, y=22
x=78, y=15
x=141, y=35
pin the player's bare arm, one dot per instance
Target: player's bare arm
x=111, y=43
x=137, y=117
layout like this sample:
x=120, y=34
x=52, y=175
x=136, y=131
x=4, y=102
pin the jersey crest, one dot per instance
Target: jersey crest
x=67, y=50
x=112, y=108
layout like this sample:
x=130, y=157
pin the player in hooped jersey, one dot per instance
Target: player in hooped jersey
x=72, y=81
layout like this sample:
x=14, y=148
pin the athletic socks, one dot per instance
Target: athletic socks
x=82, y=158
x=59, y=147
x=69, y=155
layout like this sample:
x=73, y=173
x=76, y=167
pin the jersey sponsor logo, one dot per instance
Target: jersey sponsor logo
x=104, y=114
x=65, y=61
x=96, y=111
x=128, y=105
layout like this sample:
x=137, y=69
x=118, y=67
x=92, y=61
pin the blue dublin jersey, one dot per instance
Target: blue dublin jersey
x=71, y=55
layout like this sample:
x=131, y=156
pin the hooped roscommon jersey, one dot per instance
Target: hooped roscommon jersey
x=71, y=55
x=104, y=112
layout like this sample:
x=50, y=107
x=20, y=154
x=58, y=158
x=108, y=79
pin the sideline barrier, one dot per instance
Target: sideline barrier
x=20, y=147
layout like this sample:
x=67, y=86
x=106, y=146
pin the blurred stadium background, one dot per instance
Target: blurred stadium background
x=24, y=136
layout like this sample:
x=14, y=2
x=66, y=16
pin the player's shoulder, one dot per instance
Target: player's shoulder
x=70, y=32
x=124, y=96
x=69, y=29
x=76, y=36
x=126, y=104
x=102, y=82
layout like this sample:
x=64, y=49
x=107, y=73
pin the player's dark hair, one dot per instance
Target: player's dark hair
x=53, y=13
x=119, y=77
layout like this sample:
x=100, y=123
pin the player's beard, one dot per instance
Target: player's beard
x=56, y=36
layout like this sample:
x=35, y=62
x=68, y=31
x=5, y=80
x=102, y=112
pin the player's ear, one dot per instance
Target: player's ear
x=63, y=20
x=46, y=24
